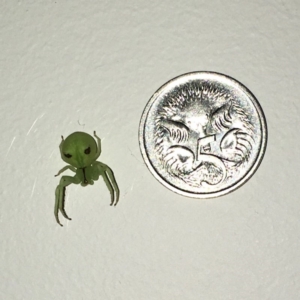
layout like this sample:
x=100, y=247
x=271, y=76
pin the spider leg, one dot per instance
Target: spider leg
x=66, y=168
x=60, y=146
x=57, y=196
x=113, y=181
x=110, y=181
x=60, y=196
x=61, y=204
x=98, y=145
x=109, y=186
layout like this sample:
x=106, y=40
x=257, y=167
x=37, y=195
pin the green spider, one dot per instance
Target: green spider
x=80, y=151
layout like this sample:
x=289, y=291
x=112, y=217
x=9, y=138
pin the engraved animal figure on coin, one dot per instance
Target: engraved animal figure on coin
x=202, y=134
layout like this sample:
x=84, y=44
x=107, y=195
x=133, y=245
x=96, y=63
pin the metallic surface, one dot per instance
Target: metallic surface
x=203, y=134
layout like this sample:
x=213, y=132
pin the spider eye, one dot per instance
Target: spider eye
x=87, y=150
x=67, y=155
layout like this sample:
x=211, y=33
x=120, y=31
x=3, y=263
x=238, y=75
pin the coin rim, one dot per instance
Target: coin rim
x=239, y=183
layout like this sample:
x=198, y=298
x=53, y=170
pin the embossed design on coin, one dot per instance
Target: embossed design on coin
x=203, y=134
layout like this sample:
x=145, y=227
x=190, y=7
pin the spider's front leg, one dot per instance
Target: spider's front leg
x=60, y=196
x=66, y=168
x=98, y=145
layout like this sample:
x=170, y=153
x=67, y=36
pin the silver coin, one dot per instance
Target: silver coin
x=203, y=134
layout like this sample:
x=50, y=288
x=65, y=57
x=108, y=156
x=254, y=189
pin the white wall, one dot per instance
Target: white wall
x=70, y=66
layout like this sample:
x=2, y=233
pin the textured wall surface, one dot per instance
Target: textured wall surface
x=70, y=66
